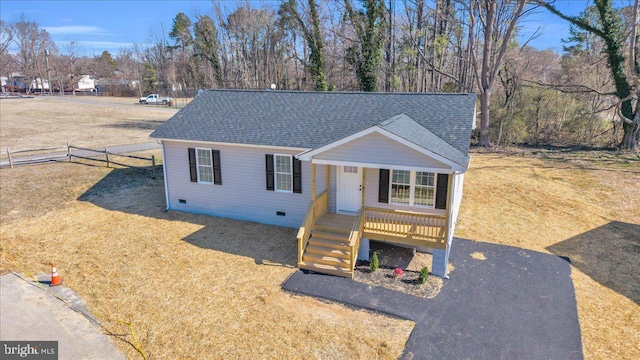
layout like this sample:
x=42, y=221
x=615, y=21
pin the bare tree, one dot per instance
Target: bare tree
x=6, y=39
x=314, y=38
x=495, y=21
x=32, y=42
x=625, y=75
x=72, y=70
x=365, y=54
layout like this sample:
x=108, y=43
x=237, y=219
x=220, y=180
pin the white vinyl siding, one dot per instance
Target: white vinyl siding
x=204, y=164
x=413, y=188
x=243, y=195
x=283, y=173
x=378, y=149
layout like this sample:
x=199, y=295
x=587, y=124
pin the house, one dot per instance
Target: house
x=344, y=168
x=86, y=83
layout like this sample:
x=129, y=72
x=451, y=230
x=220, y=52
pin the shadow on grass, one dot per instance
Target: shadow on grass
x=137, y=124
x=608, y=254
x=133, y=191
x=569, y=158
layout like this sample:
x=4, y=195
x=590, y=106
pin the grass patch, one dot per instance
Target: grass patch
x=192, y=286
x=580, y=205
x=83, y=121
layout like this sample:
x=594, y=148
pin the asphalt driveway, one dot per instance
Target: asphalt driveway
x=515, y=304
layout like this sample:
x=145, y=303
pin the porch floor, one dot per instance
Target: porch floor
x=336, y=221
x=394, y=233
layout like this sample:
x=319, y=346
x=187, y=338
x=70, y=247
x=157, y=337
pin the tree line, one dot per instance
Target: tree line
x=586, y=95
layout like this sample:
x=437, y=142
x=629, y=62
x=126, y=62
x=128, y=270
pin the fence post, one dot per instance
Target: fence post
x=106, y=153
x=153, y=166
x=69, y=151
x=10, y=160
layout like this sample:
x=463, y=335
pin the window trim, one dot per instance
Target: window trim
x=209, y=166
x=276, y=173
x=412, y=189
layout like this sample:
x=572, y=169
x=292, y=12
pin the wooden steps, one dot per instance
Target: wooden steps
x=325, y=269
x=328, y=250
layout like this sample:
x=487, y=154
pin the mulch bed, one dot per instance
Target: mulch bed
x=391, y=257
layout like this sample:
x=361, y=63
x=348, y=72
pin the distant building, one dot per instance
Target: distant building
x=86, y=83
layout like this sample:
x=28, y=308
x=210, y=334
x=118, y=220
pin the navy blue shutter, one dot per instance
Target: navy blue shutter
x=383, y=186
x=270, y=172
x=441, y=191
x=193, y=172
x=297, y=176
x=217, y=172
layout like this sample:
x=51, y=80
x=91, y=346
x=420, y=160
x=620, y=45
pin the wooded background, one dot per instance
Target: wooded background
x=584, y=96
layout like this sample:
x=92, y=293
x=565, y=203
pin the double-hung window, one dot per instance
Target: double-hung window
x=401, y=187
x=205, y=166
x=413, y=188
x=283, y=173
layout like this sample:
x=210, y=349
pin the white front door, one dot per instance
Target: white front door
x=349, y=197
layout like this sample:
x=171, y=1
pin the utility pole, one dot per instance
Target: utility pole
x=46, y=59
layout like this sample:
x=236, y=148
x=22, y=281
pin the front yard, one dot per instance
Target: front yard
x=200, y=287
x=194, y=286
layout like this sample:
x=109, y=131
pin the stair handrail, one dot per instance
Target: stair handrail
x=354, y=238
x=317, y=208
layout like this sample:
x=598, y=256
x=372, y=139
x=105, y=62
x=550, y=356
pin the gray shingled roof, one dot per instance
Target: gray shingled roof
x=313, y=119
x=408, y=129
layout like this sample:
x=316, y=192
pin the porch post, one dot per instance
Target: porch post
x=441, y=256
x=313, y=181
x=326, y=176
x=364, y=182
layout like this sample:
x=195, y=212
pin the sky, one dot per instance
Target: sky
x=98, y=25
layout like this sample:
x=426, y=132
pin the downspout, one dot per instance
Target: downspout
x=164, y=173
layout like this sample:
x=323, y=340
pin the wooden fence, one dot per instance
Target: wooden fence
x=45, y=157
x=107, y=156
x=70, y=155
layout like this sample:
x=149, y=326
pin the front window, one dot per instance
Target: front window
x=425, y=189
x=400, y=187
x=283, y=173
x=205, y=166
x=412, y=188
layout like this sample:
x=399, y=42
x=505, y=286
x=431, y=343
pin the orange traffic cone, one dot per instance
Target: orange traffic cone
x=55, y=278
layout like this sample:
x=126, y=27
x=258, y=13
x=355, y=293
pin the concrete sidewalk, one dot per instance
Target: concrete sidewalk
x=31, y=313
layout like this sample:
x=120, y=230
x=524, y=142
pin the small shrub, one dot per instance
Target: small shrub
x=374, y=264
x=424, y=275
x=397, y=272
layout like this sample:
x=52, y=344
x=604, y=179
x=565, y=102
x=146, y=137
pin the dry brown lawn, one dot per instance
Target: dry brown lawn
x=193, y=286
x=200, y=287
x=83, y=121
x=582, y=205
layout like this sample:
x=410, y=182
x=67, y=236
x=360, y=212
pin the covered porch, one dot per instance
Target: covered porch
x=395, y=182
x=329, y=239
